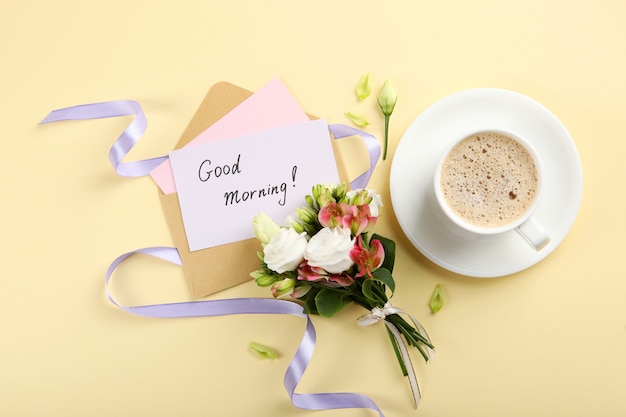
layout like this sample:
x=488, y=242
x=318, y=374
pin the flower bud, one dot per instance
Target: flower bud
x=264, y=228
x=306, y=214
x=262, y=279
x=283, y=288
x=323, y=194
x=340, y=191
x=297, y=226
x=387, y=98
x=365, y=196
x=310, y=201
x=359, y=197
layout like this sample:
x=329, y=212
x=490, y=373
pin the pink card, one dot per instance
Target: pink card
x=271, y=106
x=223, y=184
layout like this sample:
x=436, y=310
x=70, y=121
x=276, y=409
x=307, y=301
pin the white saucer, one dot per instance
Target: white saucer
x=412, y=170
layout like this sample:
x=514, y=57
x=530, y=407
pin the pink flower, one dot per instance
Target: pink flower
x=307, y=272
x=366, y=259
x=360, y=220
x=355, y=218
x=332, y=214
x=342, y=279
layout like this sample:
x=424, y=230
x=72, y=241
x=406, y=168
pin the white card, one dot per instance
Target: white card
x=222, y=185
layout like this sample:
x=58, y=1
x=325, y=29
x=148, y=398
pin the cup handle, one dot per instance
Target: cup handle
x=534, y=234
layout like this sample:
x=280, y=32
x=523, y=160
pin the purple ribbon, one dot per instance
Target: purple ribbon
x=304, y=353
x=299, y=362
x=373, y=150
x=137, y=127
x=127, y=139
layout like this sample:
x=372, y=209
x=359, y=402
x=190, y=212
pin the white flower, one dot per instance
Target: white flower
x=264, y=228
x=330, y=249
x=375, y=204
x=285, y=250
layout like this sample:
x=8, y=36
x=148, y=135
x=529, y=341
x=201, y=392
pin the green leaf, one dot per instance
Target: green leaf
x=309, y=301
x=329, y=302
x=436, y=300
x=263, y=351
x=389, y=246
x=384, y=276
x=357, y=119
x=368, y=291
x=309, y=306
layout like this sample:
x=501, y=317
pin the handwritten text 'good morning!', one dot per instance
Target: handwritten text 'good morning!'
x=209, y=171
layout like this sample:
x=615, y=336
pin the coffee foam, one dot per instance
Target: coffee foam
x=489, y=180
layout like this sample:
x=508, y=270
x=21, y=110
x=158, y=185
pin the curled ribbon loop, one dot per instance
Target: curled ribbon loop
x=379, y=314
x=210, y=308
x=126, y=140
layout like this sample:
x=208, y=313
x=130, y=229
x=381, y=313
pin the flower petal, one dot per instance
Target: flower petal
x=262, y=351
x=357, y=119
x=363, y=88
x=436, y=300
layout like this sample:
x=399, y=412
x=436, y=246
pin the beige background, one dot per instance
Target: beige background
x=548, y=341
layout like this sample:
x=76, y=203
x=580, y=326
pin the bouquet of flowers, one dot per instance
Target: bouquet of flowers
x=325, y=257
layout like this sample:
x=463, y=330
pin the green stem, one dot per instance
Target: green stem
x=386, y=136
x=396, y=349
x=379, y=290
x=412, y=335
x=424, y=355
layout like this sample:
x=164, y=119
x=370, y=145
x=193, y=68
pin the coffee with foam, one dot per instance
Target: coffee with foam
x=489, y=180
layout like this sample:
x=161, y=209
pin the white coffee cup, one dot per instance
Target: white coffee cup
x=489, y=182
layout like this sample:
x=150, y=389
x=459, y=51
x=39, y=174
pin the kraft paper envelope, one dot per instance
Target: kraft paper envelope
x=208, y=271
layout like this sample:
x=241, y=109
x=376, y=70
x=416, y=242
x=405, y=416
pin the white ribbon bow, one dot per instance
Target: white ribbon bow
x=377, y=314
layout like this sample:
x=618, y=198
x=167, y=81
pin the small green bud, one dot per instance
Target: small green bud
x=263, y=278
x=340, y=191
x=297, y=227
x=359, y=197
x=306, y=214
x=323, y=195
x=310, y=201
